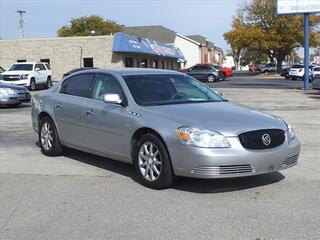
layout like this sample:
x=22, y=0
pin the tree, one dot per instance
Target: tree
x=265, y=32
x=83, y=26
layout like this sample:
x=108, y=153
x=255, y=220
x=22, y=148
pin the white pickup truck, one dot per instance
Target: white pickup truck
x=28, y=74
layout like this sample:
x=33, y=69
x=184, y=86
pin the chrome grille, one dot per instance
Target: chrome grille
x=224, y=170
x=253, y=139
x=290, y=160
x=10, y=77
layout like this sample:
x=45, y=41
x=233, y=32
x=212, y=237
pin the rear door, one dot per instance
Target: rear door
x=106, y=125
x=69, y=107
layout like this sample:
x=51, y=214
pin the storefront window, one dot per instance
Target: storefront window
x=171, y=65
x=138, y=63
x=163, y=64
x=155, y=63
x=128, y=62
x=144, y=63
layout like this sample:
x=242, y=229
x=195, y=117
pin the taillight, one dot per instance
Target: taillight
x=300, y=70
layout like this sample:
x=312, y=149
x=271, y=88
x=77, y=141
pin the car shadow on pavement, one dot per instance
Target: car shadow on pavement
x=226, y=184
x=102, y=162
x=14, y=107
x=313, y=94
x=182, y=183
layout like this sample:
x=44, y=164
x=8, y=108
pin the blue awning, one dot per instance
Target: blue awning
x=131, y=44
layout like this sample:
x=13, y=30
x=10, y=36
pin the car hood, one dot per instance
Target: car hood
x=224, y=117
x=16, y=72
x=12, y=86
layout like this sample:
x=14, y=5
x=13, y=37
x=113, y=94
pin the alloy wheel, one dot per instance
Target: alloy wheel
x=46, y=136
x=211, y=78
x=149, y=161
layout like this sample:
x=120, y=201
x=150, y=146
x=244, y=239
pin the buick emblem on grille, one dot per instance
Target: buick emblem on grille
x=266, y=139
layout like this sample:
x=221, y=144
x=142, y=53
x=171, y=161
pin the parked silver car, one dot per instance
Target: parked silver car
x=205, y=72
x=165, y=123
x=12, y=95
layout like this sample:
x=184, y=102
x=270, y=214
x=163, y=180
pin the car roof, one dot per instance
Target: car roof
x=131, y=71
x=28, y=62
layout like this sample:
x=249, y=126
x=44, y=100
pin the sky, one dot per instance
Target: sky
x=210, y=18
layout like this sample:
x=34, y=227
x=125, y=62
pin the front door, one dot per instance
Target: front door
x=106, y=125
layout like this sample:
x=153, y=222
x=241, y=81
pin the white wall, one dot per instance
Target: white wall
x=189, y=49
x=228, y=62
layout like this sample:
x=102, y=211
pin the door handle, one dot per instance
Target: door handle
x=59, y=106
x=89, y=113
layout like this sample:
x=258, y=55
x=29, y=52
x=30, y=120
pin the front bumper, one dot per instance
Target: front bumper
x=15, y=99
x=236, y=161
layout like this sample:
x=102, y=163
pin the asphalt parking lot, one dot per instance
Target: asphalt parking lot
x=81, y=196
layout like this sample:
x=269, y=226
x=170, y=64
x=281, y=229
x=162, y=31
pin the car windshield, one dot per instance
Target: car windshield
x=316, y=69
x=23, y=67
x=165, y=89
x=297, y=66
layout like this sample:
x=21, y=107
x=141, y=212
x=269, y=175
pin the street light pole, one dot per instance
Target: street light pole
x=306, y=51
x=21, y=23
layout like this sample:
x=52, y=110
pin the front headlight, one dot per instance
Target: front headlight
x=24, y=76
x=291, y=132
x=6, y=91
x=202, y=138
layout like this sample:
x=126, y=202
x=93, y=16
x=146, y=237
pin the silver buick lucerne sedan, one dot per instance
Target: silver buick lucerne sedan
x=165, y=123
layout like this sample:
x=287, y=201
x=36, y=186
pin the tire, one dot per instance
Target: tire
x=223, y=77
x=33, y=85
x=49, y=82
x=155, y=170
x=48, y=133
x=211, y=78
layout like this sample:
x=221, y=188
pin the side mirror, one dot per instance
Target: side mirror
x=113, y=98
x=37, y=69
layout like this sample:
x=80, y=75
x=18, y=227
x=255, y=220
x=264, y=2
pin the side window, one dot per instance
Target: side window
x=106, y=84
x=40, y=66
x=79, y=85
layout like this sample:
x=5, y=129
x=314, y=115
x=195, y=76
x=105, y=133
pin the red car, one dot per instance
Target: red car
x=225, y=70
x=254, y=68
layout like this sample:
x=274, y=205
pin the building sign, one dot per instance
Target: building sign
x=127, y=43
x=297, y=6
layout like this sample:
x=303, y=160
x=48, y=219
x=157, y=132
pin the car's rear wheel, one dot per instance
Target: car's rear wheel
x=211, y=78
x=49, y=138
x=33, y=85
x=152, y=163
x=49, y=82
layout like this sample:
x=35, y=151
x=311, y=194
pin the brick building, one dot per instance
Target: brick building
x=67, y=53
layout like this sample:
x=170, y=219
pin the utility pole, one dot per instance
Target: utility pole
x=21, y=23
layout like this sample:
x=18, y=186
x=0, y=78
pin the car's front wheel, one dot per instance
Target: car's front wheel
x=152, y=163
x=49, y=82
x=33, y=85
x=49, y=138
